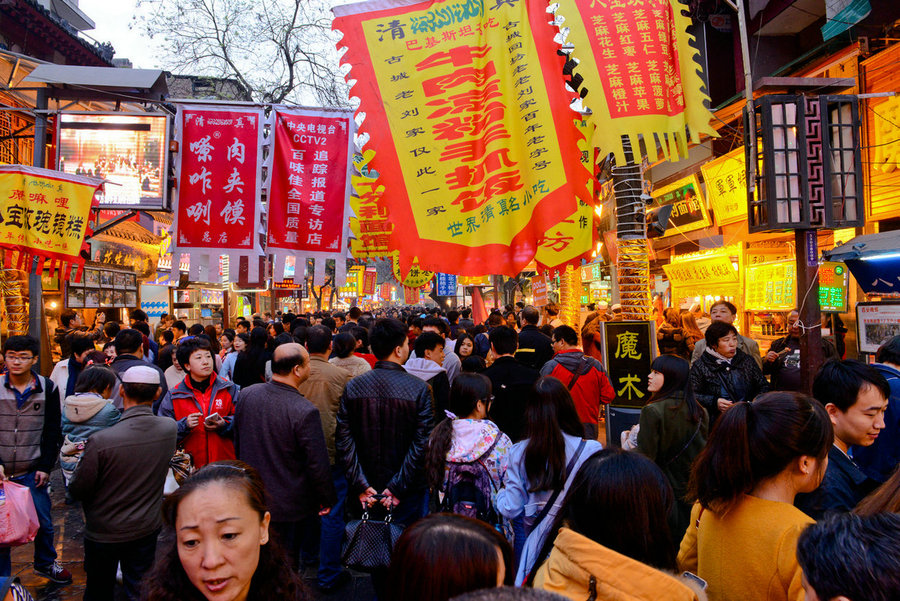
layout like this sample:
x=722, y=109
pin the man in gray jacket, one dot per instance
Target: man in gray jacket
x=120, y=482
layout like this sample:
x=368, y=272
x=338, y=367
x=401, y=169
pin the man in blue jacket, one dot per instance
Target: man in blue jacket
x=879, y=459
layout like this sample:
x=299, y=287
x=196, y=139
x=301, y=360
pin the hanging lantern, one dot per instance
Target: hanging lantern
x=809, y=167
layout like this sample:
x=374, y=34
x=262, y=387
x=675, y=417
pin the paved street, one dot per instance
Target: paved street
x=69, y=545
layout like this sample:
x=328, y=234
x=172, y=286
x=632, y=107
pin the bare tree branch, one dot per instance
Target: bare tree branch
x=282, y=51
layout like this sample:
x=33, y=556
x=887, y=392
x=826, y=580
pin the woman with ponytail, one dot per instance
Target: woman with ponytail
x=542, y=467
x=758, y=457
x=466, y=437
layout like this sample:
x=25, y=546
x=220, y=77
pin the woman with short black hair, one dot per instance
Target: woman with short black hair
x=724, y=374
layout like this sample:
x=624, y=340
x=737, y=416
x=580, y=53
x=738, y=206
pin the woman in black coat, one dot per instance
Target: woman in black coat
x=724, y=374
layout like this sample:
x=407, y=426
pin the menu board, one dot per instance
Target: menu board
x=834, y=283
x=102, y=288
x=771, y=287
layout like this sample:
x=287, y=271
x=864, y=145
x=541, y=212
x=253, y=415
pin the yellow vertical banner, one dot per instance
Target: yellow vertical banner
x=475, y=147
x=637, y=65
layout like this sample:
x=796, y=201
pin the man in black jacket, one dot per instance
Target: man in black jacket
x=279, y=432
x=535, y=348
x=383, y=425
x=511, y=381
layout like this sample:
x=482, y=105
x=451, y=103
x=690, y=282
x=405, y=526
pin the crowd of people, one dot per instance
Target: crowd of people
x=214, y=462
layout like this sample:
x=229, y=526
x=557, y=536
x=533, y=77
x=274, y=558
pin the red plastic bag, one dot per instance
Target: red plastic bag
x=18, y=518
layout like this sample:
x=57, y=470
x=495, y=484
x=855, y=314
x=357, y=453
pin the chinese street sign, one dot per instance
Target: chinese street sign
x=370, y=277
x=446, y=284
x=44, y=214
x=309, y=186
x=471, y=129
x=770, y=286
x=219, y=188
x=629, y=348
x=591, y=272
x=638, y=66
x=411, y=296
x=715, y=269
x=834, y=281
x=726, y=187
x=539, y=290
x=689, y=210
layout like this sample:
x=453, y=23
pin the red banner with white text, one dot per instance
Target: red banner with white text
x=219, y=188
x=310, y=186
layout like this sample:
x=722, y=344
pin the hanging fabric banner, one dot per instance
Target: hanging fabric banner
x=638, y=70
x=309, y=187
x=411, y=296
x=474, y=143
x=370, y=277
x=45, y=214
x=219, y=189
x=573, y=238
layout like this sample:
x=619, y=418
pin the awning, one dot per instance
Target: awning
x=149, y=84
x=874, y=260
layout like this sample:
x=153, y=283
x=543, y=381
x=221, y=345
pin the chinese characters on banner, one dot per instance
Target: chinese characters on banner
x=689, y=210
x=726, y=187
x=638, y=67
x=473, y=138
x=411, y=295
x=446, y=284
x=628, y=352
x=572, y=239
x=310, y=187
x=539, y=291
x=370, y=277
x=219, y=188
x=44, y=214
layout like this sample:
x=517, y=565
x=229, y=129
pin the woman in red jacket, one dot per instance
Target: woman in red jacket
x=202, y=404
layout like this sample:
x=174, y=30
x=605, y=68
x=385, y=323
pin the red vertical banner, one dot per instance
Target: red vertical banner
x=219, y=187
x=369, y=279
x=385, y=292
x=410, y=295
x=310, y=185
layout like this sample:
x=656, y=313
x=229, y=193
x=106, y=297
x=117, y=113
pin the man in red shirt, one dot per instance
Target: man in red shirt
x=583, y=375
x=202, y=404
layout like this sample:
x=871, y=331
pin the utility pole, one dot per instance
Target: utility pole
x=35, y=289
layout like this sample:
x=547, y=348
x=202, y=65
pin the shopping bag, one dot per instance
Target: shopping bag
x=368, y=543
x=18, y=518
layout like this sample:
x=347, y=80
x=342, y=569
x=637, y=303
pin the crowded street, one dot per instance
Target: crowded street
x=449, y=300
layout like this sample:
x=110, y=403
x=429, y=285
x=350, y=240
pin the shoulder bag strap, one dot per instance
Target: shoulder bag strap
x=687, y=444
x=487, y=453
x=559, y=490
x=579, y=371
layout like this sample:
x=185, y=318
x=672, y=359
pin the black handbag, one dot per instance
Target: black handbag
x=368, y=543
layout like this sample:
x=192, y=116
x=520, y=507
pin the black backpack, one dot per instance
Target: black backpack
x=468, y=489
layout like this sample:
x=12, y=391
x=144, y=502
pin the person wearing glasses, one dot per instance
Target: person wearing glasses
x=30, y=436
